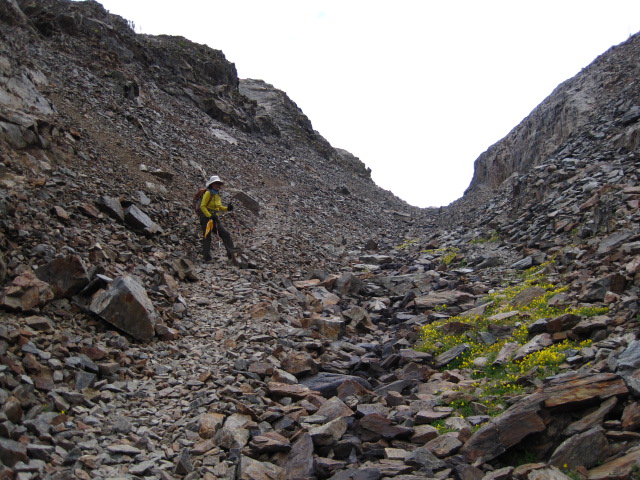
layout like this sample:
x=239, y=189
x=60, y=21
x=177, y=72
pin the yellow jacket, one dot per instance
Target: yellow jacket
x=211, y=203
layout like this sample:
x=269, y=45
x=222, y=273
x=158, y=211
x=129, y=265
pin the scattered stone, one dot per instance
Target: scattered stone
x=297, y=362
x=437, y=299
x=586, y=449
x=327, y=384
x=537, y=343
x=328, y=433
x=26, y=293
x=620, y=467
x=125, y=304
x=631, y=416
x=251, y=469
x=111, y=206
x=450, y=355
x=592, y=419
x=140, y=221
x=67, y=276
x=234, y=433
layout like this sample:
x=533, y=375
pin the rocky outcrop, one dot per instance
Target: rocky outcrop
x=291, y=121
x=589, y=105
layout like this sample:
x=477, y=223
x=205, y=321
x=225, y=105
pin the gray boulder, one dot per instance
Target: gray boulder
x=125, y=305
x=140, y=221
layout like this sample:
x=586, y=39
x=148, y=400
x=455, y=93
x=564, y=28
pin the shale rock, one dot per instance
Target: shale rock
x=126, y=305
x=135, y=358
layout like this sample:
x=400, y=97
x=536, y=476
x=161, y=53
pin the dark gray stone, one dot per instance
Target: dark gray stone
x=140, y=221
x=125, y=304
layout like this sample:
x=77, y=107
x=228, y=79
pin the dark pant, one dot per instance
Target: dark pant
x=220, y=231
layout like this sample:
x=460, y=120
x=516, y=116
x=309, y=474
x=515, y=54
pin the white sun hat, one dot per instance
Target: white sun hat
x=213, y=179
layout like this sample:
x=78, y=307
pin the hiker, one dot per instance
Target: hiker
x=210, y=204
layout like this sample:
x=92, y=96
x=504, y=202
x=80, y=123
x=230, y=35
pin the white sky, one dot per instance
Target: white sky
x=417, y=89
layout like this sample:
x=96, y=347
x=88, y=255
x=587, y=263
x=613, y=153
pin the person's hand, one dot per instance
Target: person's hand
x=230, y=208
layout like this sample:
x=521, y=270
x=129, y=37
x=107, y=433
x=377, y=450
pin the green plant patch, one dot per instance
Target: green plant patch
x=499, y=382
x=449, y=257
x=406, y=244
x=493, y=238
x=442, y=427
x=571, y=474
x=463, y=408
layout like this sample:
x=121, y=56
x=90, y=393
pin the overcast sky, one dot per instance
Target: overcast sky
x=417, y=89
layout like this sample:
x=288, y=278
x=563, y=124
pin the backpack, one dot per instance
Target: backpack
x=197, y=198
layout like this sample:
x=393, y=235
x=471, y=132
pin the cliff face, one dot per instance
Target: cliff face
x=597, y=104
x=124, y=355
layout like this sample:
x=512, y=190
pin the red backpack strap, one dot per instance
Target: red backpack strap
x=197, y=199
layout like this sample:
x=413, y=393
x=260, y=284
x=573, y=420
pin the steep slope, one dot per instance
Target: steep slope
x=182, y=114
